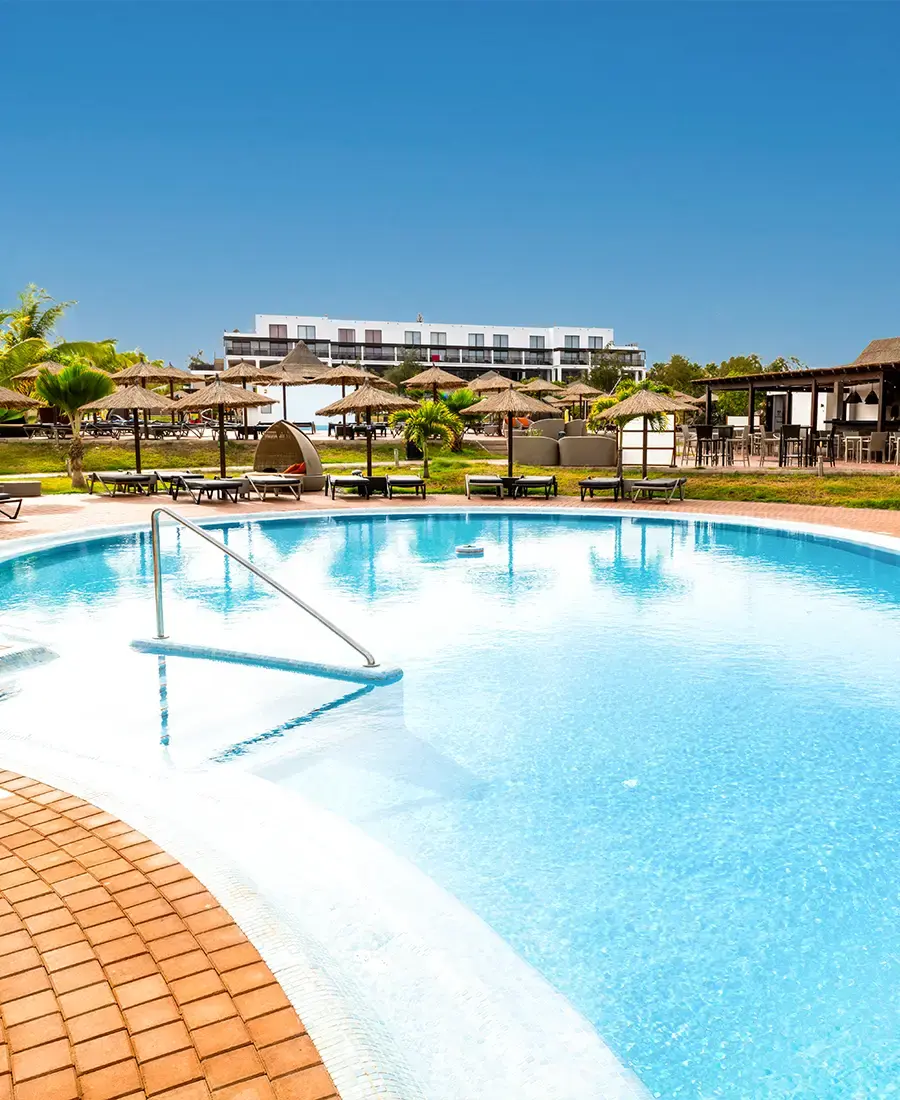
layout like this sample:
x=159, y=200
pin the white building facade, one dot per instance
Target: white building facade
x=557, y=353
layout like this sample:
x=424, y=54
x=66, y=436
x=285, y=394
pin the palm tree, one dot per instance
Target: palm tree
x=456, y=401
x=430, y=419
x=76, y=385
x=26, y=334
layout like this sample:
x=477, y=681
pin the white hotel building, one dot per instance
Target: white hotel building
x=557, y=352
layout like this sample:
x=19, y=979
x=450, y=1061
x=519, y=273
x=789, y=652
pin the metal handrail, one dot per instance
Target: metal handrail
x=263, y=576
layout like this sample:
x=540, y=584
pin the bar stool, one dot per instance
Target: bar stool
x=791, y=445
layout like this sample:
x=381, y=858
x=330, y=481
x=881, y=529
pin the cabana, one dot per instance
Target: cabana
x=283, y=446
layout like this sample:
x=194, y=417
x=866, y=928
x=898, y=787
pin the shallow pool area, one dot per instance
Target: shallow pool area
x=656, y=756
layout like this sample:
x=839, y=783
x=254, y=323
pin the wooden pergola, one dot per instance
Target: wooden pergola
x=878, y=366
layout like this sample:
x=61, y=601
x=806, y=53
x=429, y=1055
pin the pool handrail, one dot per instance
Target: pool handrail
x=255, y=570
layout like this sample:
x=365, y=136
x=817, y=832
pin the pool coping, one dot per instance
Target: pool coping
x=361, y=1056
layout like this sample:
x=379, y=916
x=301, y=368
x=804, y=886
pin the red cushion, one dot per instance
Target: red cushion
x=297, y=468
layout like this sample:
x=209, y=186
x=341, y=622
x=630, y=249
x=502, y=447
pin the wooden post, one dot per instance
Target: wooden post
x=880, y=425
x=137, y=440
x=751, y=398
x=368, y=441
x=509, y=445
x=839, y=410
x=709, y=404
x=222, y=441
x=789, y=412
x=814, y=406
x=644, y=445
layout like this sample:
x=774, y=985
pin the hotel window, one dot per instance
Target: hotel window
x=573, y=341
x=501, y=340
x=373, y=335
x=595, y=342
x=346, y=335
x=412, y=338
x=536, y=342
x=306, y=332
x=476, y=339
x=439, y=339
x=277, y=332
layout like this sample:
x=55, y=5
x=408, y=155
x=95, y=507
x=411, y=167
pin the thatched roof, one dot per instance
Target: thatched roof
x=367, y=397
x=489, y=382
x=345, y=375
x=151, y=372
x=245, y=371
x=645, y=403
x=508, y=401
x=540, y=386
x=302, y=359
x=436, y=376
x=33, y=372
x=879, y=352
x=10, y=399
x=133, y=397
x=223, y=393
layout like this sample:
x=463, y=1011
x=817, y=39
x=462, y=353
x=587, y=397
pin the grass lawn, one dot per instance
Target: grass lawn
x=448, y=470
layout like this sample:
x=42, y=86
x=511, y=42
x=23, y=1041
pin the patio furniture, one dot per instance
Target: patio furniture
x=526, y=483
x=853, y=447
x=227, y=489
x=305, y=425
x=124, y=483
x=348, y=481
x=876, y=444
x=261, y=484
x=601, y=484
x=688, y=444
x=703, y=445
x=765, y=445
x=406, y=481
x=791, y=445
x=667, y=487
x=7, y=501
x=483, y=483
x=284, y=446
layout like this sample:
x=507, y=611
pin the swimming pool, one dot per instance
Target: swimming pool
x=657, y=757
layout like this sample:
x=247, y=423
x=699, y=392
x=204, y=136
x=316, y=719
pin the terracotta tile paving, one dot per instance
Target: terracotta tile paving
x=122, y=978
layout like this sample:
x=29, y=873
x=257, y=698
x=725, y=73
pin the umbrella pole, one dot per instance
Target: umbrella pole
x=644, y=457
x=344, y=415
x=509, y=441
x=172, y=397
x=284, y=401
x=244, y=384
x=222, y=440
x=368, y=442
x=137, y=440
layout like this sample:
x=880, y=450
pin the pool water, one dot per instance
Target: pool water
x=659, y=758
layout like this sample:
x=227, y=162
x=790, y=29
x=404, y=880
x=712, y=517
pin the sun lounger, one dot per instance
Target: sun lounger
x=274, y=483
x=667, y=487
x=547, y=483
x=361, y=484
x=405, y=481
x=124, y=483
x=479, y=483
x=596, y=484
x=7, y=501
x=226, y=488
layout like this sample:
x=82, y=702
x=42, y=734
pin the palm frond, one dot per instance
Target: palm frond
x=19, y=357
x=76, y=385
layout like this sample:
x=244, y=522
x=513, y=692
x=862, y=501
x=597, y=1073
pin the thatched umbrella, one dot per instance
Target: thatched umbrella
x=579, y=391
x=12, y=399
x=540, y=386
x=138, y=399
x=509, y=403
x=489, y=382
x=345, y=375
x=367, y=399
x=32, y=372
x=154, y=374
x=643, y=403
x=244, y=371
x=300, y=358
x=435, y=377
x=221, y=395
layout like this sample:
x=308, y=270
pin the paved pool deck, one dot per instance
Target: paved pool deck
x=65, y=513
x=121, y=976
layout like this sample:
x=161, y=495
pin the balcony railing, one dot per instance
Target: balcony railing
x=578, y=357
x=476, y=355
x=542, y=358
x=380, y=353
x=351, y=352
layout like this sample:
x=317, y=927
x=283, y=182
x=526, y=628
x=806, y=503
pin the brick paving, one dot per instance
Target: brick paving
x=122, y=978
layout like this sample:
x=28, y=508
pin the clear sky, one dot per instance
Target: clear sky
x=710, y=179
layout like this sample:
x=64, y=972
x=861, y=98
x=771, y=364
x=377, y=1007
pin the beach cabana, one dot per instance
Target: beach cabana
x=283, y=446
x=434, y=379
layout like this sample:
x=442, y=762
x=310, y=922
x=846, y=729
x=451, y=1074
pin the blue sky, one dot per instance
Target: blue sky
x=710, y=179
